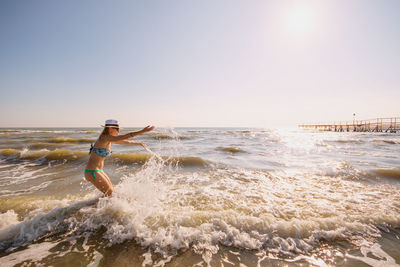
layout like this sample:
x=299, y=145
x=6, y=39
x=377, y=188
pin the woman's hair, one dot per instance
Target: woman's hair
x=106, y=131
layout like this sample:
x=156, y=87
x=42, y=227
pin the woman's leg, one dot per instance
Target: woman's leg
x=109, y=181
x=101, y=182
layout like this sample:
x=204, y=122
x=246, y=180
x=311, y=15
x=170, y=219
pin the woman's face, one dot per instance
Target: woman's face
x=113, y=131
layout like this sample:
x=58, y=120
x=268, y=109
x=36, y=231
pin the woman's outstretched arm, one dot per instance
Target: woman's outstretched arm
x=114, y=139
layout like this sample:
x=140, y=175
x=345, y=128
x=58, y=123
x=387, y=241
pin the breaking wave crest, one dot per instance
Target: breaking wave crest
x=57, y=154
x=387, y=141
x=64, y=140
x=230, y=149
x=162, y=136
x=72, y=155
x=389, y=173
x=57, y=220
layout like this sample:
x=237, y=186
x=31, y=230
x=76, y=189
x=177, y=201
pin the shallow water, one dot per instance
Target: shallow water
x=205, y=196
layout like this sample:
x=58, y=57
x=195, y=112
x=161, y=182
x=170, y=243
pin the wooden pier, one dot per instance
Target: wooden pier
x=388, y=125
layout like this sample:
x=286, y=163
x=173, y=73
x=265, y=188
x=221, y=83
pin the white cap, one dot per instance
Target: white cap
x=111, y=123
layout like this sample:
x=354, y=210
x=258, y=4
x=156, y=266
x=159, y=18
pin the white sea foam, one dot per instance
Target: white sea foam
x=24, y=172
x=5, y=193
x=34, y=253
x=31, y=229
x=380, y=257
x=170, y=210
x=8, y=218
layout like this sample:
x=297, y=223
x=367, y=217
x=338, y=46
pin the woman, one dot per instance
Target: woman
x=102, y=148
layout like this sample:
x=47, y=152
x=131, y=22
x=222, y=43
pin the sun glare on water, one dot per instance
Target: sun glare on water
x=300, y=20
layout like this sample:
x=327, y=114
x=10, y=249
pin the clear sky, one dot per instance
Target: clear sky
x=197, y=63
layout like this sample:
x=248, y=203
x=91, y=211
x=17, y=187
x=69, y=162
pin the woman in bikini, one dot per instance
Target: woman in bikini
x=102, y=148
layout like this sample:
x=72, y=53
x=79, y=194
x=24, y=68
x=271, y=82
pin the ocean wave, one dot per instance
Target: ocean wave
x=57, y=220
x=352, y=141
x=31, y=189
x=388, y=173
x=46, y=145
x=89, y=131
x=164, y=136
x=241, y=209
x=15, y=174
x=230, y=149
x=314, y=201
x=36, y=131
x=8, y=131
x=239, y=131
x=142, y=158
x=72, y=155
x=166, y=211
x=8, y=218
x=249, y=133
x=198, y=131
x=45, y=131
x=387, y=141
x=27, y=206
x=68, y=140
x=58, y=154
x=8, y=134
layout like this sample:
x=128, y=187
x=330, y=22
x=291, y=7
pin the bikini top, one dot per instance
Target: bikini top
x=102, y=152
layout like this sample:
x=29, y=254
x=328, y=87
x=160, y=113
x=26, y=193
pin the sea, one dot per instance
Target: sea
x=201, y=197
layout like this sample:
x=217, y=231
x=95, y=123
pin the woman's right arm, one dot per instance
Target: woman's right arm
x=111, y=138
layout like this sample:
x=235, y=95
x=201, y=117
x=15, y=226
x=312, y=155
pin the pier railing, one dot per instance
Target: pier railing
x=391, y=125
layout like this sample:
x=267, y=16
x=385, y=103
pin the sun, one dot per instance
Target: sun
x=300, y=20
